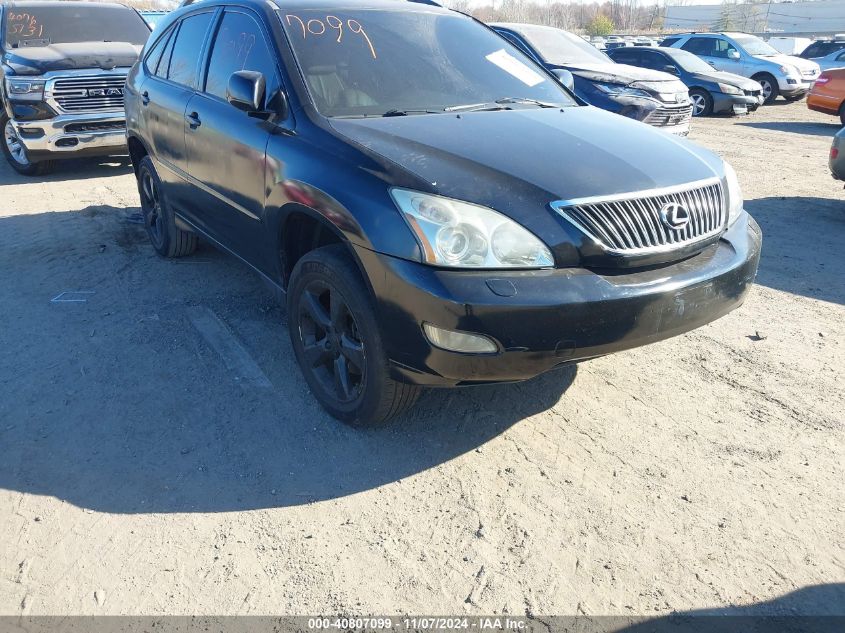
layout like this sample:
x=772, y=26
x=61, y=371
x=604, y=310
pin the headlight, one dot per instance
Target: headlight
x=25, y=89
x=790, y=70
x=618, y=90
x=734, y=194
x=463, y=235
x=729, y=90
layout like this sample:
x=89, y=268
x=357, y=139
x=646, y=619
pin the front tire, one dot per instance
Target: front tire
x=702, y=102
x=167, y=239
x=771, y=90
x=15, y=152
x=337, y=341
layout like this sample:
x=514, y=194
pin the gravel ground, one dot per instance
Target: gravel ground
x=144, y=473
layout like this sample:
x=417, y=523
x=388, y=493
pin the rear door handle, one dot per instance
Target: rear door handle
x=193, y=120
x=145, y=98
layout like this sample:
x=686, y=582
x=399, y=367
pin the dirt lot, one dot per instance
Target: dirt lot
x=160, y=452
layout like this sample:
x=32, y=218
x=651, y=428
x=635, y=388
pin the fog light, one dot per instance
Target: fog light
x=458, y=341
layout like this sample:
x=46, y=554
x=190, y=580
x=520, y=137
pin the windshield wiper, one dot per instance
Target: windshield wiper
x=475, y=107
x=542, y=104
x=397, y=112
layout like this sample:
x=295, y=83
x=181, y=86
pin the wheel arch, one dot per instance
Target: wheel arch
x=137, y=150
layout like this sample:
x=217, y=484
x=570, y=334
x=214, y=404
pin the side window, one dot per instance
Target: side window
x=669, y=41
x=723, y=47
x=701, y=46
x=655, y=61
x=164, y=63
x=239, y=45
x=154, y=56
x=184, y=61
x=813, y=50
x=623, y=56
x=841, y=56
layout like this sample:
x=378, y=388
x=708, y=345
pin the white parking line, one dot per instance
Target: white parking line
x=235, y=356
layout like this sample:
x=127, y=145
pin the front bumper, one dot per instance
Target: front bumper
x=736, y=104
x=72, y=135
x=545, y=318
x=793, y=86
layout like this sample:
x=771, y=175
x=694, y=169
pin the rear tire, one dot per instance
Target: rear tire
x=842, y=113
x=167, y=239
x=702, y=102
x=794, y=97
x=337, y=341
x=15, y=152
x=771, y=90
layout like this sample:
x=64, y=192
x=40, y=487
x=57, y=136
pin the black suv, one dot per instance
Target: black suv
x=438, y=208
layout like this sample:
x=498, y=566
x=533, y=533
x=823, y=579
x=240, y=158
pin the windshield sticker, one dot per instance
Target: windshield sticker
x=25, y=25
x=513, y=66
x=319, y=27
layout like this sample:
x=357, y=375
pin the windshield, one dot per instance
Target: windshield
x=41, y=26
x=689, y=62
x=755, y=46
x=559, y=47
x=372, y=62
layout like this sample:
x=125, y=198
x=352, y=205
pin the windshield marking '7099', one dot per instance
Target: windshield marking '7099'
x=317, y=27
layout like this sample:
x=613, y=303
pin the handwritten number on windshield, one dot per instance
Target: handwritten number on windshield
x=318, y=27
x=25, y=25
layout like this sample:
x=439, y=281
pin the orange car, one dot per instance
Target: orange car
x=828, y=93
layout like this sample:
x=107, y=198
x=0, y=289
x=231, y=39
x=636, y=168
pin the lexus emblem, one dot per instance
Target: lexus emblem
x=674, y=215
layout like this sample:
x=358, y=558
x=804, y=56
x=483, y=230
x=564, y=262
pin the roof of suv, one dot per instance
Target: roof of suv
x=51, y=4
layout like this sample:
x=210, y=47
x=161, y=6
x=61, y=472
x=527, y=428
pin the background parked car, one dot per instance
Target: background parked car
x=789, y=45
x=828, y=93
x=656, y=98
x=837, y=155
x=836, y=59
x=749, y=56
x=62, y=78
x=824, y=47
x=711, y=91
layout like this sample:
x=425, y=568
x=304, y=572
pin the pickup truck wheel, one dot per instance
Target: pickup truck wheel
x=770, y=87
x=15, y=152
x=337, y=341
x=167, y=239
x=702, y=102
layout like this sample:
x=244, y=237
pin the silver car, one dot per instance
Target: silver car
x=749, y=56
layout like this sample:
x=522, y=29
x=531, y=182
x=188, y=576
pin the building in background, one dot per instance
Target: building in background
x=818, y=16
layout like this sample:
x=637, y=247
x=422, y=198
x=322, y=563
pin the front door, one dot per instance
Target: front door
x=227, y=147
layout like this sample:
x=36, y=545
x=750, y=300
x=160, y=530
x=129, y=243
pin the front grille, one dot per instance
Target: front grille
x=95, y=93
x=752, y=93
x=103, y=126
x=662, y=117
x=809, y=73
x=634, y=223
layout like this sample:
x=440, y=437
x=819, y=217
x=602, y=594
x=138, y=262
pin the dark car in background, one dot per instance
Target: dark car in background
x=711, y=91
x=63, y=68
x=653, y=97
x=824, y=48
x=438, y=208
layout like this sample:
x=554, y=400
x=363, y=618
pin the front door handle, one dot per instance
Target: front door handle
x=193, y=120
x=145, y=98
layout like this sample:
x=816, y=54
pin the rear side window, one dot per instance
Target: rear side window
x=239, y=45
x=669, y=41
x=154, y=56
x=164, y=62
x=821, y=49
x=184, y=61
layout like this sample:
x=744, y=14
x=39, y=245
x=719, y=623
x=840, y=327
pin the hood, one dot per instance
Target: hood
x=790, y=60
x=616, y=73
x=731, y=79
x=77, y=56
x=519, y=161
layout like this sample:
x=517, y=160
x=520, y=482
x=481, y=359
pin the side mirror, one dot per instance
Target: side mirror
x=733, y=54
x=565, y=77
x=246, y=90
x=672, y=70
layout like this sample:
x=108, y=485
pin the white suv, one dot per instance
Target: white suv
x=749, y=56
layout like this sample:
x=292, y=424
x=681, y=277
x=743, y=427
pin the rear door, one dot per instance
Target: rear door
x=227, y=147
x=173, y=68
